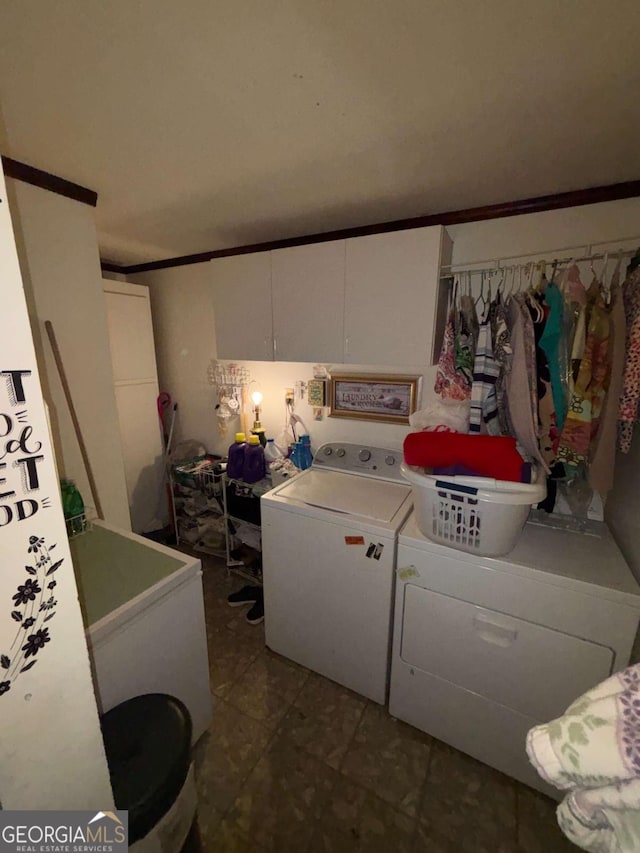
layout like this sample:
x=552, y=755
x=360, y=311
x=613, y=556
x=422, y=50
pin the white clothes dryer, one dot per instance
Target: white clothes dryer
x=329, y=550
x=485, y=648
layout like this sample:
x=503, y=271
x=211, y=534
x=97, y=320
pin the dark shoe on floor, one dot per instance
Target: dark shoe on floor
x=256, y=615
x=246, y=595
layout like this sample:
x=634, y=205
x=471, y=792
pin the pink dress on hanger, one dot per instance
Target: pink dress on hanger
x=450, y=383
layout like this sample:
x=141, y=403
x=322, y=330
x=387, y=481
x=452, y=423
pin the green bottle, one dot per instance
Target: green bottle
x=72, y=507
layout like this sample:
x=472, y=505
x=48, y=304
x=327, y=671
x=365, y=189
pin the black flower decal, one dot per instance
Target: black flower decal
x=35, y=543
x=35, y=642
x=36, y=590
x=26, y=592
x=55, y=566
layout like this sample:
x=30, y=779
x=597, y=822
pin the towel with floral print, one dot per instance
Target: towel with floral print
x=593, y=751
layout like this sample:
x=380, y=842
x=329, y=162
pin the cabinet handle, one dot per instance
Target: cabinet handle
x=492, y=632
x=347, y=351
x=268, y=347
x=275, y=347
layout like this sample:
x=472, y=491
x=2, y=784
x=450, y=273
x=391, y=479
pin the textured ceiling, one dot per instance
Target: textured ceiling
x=204, y=124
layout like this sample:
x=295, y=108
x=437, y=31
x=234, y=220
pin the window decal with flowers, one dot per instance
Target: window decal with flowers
x=33, y=604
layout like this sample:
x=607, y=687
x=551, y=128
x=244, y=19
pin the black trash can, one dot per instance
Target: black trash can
x=147, y=741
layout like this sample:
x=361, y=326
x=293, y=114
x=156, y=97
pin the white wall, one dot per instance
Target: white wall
x=60, y=266
x=51, y=750
x=184, y=332
x=542, y=233
x=623, y=505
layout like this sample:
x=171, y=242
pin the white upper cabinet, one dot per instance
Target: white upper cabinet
x=391, y=291
x=242, y=306
x=307, y=286
x=366, y=300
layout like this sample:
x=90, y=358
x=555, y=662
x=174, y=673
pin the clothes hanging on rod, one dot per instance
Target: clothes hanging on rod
x=603, y=461
x=451, y=384
x=550, y=344
x=630, y=398
x=518, y=387
x=589, y=389
x=550, y=363
x=486, y=369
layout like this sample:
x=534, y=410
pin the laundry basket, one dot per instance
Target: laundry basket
x=474, y=514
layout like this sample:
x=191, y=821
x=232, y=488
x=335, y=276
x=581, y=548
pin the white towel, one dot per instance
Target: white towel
x=594, y=750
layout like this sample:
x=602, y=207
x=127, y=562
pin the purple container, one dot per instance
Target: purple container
x=254, y=465
x=235, y=458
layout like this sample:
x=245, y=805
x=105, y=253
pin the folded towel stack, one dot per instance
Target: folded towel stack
x=593, y=751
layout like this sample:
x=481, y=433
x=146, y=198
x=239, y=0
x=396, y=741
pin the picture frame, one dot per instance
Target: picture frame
x=386, y=398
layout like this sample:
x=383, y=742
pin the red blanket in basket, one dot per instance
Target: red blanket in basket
x=485, y=455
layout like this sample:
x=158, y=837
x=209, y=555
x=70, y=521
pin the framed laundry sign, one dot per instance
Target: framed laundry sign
x=374, y=398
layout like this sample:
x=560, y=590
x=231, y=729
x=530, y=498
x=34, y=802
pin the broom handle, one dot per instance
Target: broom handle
x=74, y=418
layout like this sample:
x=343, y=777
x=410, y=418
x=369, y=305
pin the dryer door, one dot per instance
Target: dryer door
x=517, y=663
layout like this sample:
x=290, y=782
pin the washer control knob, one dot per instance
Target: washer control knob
x=328, y=451
x=340, y=452
x=390, y=460
x=364, y=455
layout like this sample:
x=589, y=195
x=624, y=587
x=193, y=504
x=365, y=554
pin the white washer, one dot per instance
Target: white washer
x=328, y=547
x=484, y=648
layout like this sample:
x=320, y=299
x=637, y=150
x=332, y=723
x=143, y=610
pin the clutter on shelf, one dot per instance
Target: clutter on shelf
x=197, y=501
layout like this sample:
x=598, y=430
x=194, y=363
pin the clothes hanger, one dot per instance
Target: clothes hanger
x=604, y=288
x=480, y=298
x=534, y=304
x=614, y=283
x=452, y=294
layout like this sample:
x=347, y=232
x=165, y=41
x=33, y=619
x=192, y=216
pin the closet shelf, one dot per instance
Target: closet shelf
x=209, y=506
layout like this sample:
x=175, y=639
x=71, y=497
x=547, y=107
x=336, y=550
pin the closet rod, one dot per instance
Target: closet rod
x=559, y=262
x=497, y=265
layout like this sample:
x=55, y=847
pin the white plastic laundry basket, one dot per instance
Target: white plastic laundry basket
x=474, y=514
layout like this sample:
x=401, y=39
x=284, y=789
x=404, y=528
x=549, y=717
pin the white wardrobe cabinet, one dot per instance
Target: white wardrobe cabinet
x=307, y=290
x=135, y=382
x=391, y=292
x=242, y=306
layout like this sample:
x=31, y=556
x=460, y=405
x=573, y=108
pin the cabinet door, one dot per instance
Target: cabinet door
x=135, y=380
x=390, y=296
x=308, y=302
x=133, y=355
x=242, y=306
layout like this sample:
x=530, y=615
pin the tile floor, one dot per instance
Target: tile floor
x=293, y=763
